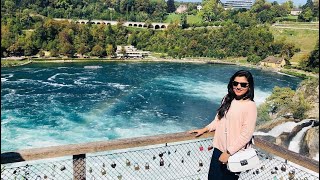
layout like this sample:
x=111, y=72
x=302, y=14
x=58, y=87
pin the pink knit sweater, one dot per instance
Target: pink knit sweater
x=240, y=122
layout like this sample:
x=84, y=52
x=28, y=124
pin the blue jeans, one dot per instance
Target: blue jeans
x=219, y=171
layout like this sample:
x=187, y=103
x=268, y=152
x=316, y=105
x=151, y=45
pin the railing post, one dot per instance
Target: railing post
x=79, y=167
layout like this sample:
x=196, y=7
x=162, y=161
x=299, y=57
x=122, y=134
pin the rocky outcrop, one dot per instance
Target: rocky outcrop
x=310, y=142
x=306, y=97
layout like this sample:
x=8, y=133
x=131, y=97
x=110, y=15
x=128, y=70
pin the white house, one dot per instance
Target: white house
x=130, y=52
x=295, y=11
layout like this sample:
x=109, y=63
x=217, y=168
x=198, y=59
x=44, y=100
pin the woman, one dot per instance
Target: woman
x=233, y=124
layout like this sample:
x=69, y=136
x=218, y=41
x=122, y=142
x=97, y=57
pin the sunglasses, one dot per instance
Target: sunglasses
x=243, y=85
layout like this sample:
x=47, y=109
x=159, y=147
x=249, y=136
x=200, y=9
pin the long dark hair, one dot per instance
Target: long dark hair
x=226, y=101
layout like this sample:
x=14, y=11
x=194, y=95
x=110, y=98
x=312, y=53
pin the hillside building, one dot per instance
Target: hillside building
x=238, y=4
x=130, y=52
x=274, y=62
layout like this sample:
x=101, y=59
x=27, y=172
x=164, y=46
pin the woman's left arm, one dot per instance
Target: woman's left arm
x=247, y=129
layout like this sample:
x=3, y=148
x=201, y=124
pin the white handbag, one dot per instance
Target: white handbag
x=244, y=159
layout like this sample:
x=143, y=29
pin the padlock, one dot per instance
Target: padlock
x=103, y=171
x=201, y=148
x=200, y=163
x=103, y=165
x=45, y=176
x=188, y=153
x=161, y=162
x=136, y=167
x=113, y=165
x=160, y=154
x=291, y=175
x=147, y=166
x=257, y=171
x=283, y=168
x=182, y=160
x=169, y=152
x=154, y=157
x=210, y=147
x=90, y=170
x=62, y=168
x=119, y=176
x=128, y=163
x=262, y=167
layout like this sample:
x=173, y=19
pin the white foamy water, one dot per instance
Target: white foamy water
x=211, y=90
x=284, y=127
x=295, y=142
x=316, y=157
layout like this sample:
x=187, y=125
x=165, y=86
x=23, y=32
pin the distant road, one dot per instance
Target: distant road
x=289, y=26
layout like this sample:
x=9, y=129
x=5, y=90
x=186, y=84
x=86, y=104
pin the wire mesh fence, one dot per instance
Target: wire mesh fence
x=183, y=160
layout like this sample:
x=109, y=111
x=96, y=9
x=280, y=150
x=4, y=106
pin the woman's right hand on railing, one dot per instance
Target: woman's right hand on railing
x=199, y=132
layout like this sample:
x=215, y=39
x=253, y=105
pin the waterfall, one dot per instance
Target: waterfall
x=295, y=142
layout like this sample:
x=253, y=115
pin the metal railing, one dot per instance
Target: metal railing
x=169, y=156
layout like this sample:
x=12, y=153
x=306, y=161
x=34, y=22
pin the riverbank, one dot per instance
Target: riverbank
x=231, y=61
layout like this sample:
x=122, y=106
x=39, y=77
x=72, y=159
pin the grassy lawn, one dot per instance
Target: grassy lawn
x=9, y=63
x=303, y=39
x=173, y=17
x=191, y=19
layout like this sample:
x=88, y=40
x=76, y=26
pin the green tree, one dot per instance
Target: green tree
x=183, y=21
x=109, y=50
x=280, y=98
x=313, y=61
x=170, y=6
x=97, y=50
x=306, y=15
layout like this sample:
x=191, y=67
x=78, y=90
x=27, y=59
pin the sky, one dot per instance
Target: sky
x=295, y=2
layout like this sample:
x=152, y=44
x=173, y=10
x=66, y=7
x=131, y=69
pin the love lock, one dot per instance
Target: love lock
x=62, y=168
x=200, y=163
x=119, y=176
x=154, y=157
x=182, y=160
x=210, y=147
x=161, y=162
x=201, y=148
x=188, y=153
x=147, y=166
x=103, y=172
x=291, y=174
x=113, y=165
x=103, y=165
x=90, y=170
x=136, y=167
x=128, y=163
x=160, y=154
x=283, y=168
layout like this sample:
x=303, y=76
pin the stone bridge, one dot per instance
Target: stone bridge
x=126, y=23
